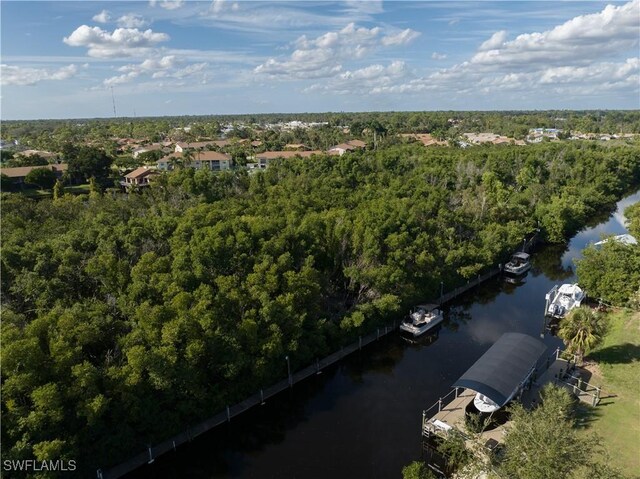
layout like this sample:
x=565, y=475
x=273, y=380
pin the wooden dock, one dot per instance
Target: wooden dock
x=449, y=412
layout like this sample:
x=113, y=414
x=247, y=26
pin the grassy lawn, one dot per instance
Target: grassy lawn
x=77, y=190
x=37, y=194
x=618, y=370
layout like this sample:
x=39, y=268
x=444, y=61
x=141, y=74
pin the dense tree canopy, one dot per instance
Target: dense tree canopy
x=176, y=301
x=41, y=177
x=611, y=271
x=87, y=162
x=546, y=444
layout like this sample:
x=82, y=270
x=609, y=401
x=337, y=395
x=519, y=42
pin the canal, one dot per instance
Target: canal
x=362, y=416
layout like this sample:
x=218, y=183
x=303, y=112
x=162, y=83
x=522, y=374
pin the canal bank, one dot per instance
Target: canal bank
x=361, y=417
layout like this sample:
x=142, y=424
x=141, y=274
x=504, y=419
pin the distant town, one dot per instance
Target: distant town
x=250, y=145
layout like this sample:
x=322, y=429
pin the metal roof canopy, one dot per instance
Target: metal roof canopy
x=499, y=372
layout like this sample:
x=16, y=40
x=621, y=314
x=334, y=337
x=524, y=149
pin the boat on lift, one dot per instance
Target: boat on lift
x=561, y=300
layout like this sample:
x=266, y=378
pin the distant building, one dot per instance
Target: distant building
x=425, y=138
x=202, y=160
x=146, y=149
x=263, y=159
x=44, y=154
x=17, y=175
x=182, y=146
x=139, y=177
x=350, y=145
x=211, y=160
x=296, y=147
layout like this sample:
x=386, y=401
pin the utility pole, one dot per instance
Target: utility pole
x=113, y=100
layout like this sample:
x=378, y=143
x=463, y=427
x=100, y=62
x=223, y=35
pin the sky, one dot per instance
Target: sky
x=180, y=57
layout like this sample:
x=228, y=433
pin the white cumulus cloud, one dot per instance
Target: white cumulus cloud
x=132, y=20
x=496, y=41
x=167, y=4
x=363, y=80
x=167, y=66
x=438, y=56
x=402, y=38
x=14, y=75
x=123, y=42
x=324, y=55
x=584, y=55
x=576, y=41
x=103, y=17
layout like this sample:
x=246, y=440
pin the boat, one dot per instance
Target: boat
x=422, y=319
x=561, y=300
x=625, y=239
x=518, y=264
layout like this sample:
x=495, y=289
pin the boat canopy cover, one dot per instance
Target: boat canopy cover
x=499, y=372
x=521, y=255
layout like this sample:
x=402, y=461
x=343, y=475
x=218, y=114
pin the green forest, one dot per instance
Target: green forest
x=127, y=318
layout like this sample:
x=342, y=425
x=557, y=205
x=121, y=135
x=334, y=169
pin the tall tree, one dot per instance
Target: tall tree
x=87, y=161
x=543, y=443
x=42, y=177
x=58, y=190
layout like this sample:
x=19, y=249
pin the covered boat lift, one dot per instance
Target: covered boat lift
x=504, y=368
x=493, y=380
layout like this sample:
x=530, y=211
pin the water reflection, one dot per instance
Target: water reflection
x=548, y=262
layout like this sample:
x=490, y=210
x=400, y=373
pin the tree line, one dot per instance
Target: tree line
x=53, y=134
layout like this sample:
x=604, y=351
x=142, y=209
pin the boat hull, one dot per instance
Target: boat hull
x=517, y=270
x=421, y=329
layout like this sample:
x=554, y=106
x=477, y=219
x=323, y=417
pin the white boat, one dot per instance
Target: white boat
x=422, y=319
x=561, y=300
x=518, y=264
x=625, y=239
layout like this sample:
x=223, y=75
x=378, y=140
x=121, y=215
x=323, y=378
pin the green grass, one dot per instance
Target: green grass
x=38, y=194
x=618, y=415
x=77, y=190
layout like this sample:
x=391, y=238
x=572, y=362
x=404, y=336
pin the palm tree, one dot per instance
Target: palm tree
x=581, y=330
x=187, y=157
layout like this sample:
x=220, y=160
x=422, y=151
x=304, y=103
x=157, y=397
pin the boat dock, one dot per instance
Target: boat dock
x=449, y=411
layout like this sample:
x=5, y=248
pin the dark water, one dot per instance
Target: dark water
x=362, y=417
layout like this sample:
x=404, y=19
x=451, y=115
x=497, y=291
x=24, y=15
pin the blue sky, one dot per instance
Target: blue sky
x=177, y=57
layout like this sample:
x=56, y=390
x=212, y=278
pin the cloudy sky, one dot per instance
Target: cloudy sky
x=177, y=57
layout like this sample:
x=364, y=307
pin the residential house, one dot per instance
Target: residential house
x=211, y=160
x=41, y=153
x=166, y=163
x=263, y=159
x=182, y=146
x=350, y=145
x=425, y=138
x=17, y=175
x=201, y=160
x=144, y=149
x=139, y=177
x=296, y=147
